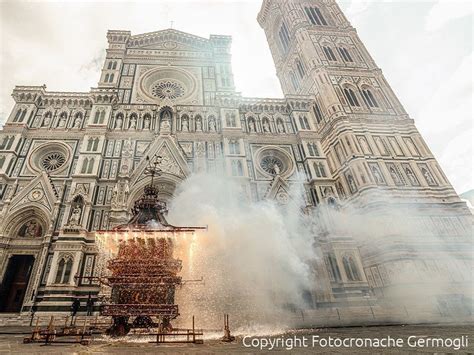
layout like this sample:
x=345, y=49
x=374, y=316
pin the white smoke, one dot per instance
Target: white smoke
x=254, y=258
x=257, y=259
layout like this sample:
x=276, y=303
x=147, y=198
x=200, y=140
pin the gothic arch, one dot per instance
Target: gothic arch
x=18, y=218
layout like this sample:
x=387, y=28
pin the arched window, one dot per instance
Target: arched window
x=294, y=81
x=87, y=166
x=350, y=268
x=95, y=144
x=85, y=163
x=313, y=149
x=315, y=16
x=23, y=114
x=96, y=116
x=230, y=120
x=284, y=36
x=322, y=170
x=345, y=54
x=334, y=267
x=18, y=114
x=114, y=66
x=329, y=54
x=237, y=169
x=306, y=123
x=317, y=113
x=64, y=270
x=316, y=170
x=111, y=78
x=90, y=166
x=369, y=98
x=301, y=122
x=340, y=190
x=106, y=78
x=300, y=68
x=234, y=147
x=102, y=117
x=89, y=144
x=109, y=66
x=351, y=97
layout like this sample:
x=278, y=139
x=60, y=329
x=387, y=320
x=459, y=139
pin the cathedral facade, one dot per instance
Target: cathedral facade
x=72, y=163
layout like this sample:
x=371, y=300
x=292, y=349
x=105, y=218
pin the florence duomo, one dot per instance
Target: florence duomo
x=382, y=213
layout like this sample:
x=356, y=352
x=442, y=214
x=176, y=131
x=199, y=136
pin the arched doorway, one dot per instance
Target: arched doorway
x=24, y=233
x=15, y=282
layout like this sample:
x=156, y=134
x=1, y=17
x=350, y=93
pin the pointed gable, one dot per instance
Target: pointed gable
x=169, y=39
x=39, y=192
x=173, y=161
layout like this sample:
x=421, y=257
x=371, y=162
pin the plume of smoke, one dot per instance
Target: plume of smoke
x=258, y=258
x=254, y=258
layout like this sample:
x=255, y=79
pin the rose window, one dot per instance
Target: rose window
x=53, y=161
x=167, y=89
x=272, y=165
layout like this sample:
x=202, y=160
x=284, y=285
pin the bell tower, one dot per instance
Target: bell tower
x=318, y=53
x=370, y=141
x=378, y=161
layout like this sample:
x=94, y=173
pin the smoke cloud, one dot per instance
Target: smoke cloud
x=258, y=259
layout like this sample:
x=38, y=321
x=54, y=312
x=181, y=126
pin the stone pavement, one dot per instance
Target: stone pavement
x=12, y=343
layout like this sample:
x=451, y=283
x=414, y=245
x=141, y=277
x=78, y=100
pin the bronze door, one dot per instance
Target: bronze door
x=15, y=282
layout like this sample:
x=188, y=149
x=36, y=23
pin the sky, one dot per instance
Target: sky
x=424, y=49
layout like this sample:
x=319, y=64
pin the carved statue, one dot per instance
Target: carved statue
x=185, y=125
x=75, y=216
x=212, y=125
x=146, y=123
x=198, y=125
x=114, y=201
x=119, y=122
x=395, y=176
x=126, y=192
x=46, y=121
x=127, y=148
x=378, y=177
x=352, y=183
x=411, y=176
x=133, y=123
x=252, y=126
x=281, y=128
x=62, y=122
x=266, y=126
x=165, y=123
x=77, y=123
x=428, y=177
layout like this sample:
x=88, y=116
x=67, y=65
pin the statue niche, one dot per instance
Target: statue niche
x=166, y=117
x=77, y=208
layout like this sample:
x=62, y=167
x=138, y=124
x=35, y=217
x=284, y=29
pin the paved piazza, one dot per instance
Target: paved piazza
x=12, y=343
